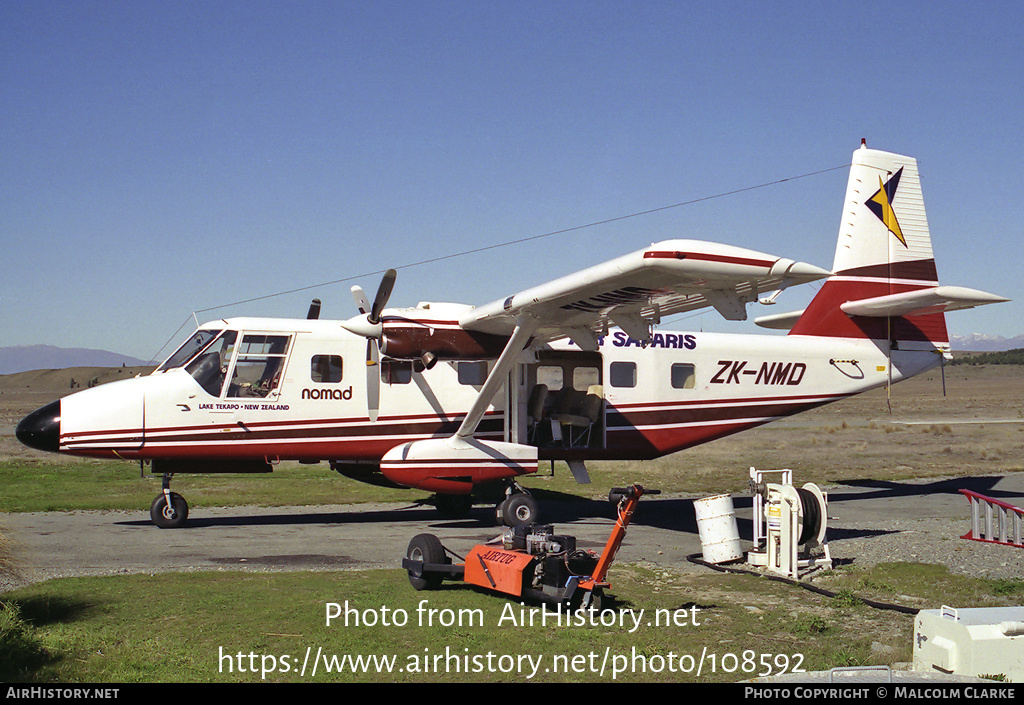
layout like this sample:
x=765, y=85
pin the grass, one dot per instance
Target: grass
x=35, y=486
x=104, y=485
x=926, y=583
x=257, y=627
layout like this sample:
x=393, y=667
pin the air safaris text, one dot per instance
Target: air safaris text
x=328, y=394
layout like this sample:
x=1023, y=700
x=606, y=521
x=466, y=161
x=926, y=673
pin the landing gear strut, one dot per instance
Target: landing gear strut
x=518, y=508
x=169, y=509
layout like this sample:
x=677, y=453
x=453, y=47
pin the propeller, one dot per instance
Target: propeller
x=314, y=310
x=368, y=324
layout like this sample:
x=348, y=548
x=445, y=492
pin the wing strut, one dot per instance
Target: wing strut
x=524, y=330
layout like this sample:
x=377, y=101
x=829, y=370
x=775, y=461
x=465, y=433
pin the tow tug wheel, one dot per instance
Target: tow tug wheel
x=519, y=510
x=169, y=515
x=426, y=548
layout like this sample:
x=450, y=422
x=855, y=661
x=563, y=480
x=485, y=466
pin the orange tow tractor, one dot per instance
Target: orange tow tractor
x=531, y=562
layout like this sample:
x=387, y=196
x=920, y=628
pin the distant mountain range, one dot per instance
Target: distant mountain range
x=979, y=342
x=22, y=358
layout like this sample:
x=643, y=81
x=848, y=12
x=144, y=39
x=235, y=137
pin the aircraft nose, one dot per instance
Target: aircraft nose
x=41, y=428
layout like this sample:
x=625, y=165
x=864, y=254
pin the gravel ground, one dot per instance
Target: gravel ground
x=920, y=521
x=926, y=541
x=923, y=521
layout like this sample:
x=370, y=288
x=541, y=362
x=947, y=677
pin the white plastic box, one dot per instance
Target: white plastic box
x=977, y=641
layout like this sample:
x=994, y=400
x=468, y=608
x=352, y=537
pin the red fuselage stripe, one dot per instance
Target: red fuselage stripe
x=705, y=257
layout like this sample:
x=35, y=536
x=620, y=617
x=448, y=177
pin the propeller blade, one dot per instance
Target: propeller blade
x=387, y=284
x=362, y=303
x=372, y=380
x=314, y=310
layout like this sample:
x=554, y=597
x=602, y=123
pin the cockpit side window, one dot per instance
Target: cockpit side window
x=189, y=349
x=260, y=364
x=211, y=365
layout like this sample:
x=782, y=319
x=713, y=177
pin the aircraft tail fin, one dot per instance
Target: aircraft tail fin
x=885, y=284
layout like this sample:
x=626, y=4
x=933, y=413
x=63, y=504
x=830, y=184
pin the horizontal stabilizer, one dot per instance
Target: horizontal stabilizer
x=779, y=321
x=915, y=303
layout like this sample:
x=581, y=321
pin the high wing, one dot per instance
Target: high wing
x=635, y=291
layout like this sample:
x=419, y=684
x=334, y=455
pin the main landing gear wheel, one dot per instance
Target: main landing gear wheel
x=426, y=548
x=519, y=510
x=169, y=515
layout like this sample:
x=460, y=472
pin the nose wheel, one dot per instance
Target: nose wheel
x=169, y=510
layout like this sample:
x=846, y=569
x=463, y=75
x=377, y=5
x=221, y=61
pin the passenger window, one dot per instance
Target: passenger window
x=684, y=376
x=396, y=372
x=472, y=373
x=259, y=365
x=550, y=376
x=583, y=378
x=325, y=368
x=622, y=374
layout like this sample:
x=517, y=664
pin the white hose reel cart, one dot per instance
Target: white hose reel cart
x=789, y=525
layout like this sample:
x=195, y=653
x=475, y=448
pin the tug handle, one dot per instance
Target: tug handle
x=617, y=494
x=626, y=499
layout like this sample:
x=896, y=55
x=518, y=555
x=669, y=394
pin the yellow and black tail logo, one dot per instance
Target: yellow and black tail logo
x=881, y=205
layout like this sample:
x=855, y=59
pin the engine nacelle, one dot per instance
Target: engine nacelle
x=405, y=339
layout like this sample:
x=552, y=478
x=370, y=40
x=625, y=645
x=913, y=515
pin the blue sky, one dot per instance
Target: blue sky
x=163, y=158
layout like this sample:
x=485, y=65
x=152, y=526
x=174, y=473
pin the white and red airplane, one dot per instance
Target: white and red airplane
x=410, y=397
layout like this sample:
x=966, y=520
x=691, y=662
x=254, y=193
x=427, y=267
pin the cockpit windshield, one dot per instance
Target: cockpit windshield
x=210, y=367
x=189, y=349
